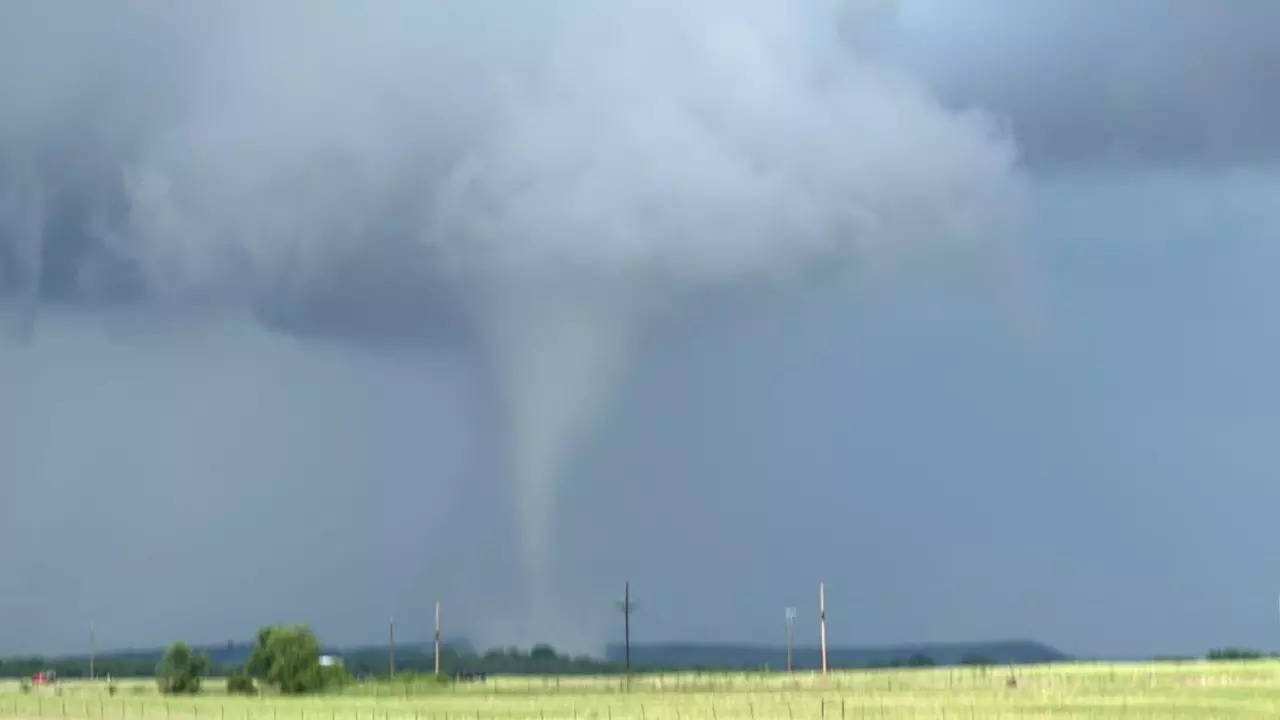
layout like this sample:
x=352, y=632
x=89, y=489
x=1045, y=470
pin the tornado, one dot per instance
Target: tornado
x=557, y=174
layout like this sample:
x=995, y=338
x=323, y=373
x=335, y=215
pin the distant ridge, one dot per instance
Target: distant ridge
x=740, y=656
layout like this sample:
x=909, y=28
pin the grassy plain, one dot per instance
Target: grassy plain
x=1081, y=690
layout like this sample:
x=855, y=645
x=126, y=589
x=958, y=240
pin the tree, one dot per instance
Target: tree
x=239, y=683
x=287, y=657
x=542, y=652
x=180, y=670
x=920, y=660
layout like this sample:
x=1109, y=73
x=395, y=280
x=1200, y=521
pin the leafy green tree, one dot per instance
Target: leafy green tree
x=287, y=656
x=542, y=652
x=180, y=670
x=240, y=683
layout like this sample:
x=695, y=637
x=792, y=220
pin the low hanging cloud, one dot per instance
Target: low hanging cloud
x=546, y=176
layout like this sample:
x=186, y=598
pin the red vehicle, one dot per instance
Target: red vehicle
x=47, y=677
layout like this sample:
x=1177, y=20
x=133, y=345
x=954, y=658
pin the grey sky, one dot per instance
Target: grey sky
x=961, y=309
x=1134, y=82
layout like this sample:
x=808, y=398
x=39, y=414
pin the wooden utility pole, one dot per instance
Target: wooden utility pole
x=822, y=614
x=626, y=627
x=93, y=647
x=391, y=649
x=791, y=621
x=437, y=638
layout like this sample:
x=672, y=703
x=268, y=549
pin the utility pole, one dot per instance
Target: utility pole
x=791, y=620
x=626, y=625
x=822, y=614
x=626, y=608
x=93, y=647
x=391, y=649
x=437, y=638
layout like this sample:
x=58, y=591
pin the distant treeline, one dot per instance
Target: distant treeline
x=1236, y=653
x=360, y=662
x=77, y=667
x=540, y=660
x=418, y=658
x=699, y=656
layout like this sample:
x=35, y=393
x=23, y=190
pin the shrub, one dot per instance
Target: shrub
x=334, y=676
x=289, y=658
x=180, y=670
x=25, y=685
x=240, y=683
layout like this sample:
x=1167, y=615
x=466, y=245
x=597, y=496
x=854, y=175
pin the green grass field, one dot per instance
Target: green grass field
x=1085, y=690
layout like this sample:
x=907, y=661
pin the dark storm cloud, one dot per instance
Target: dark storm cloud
x=288, y=150
x=85, y=84
x=1130, y=82
x=92, y=87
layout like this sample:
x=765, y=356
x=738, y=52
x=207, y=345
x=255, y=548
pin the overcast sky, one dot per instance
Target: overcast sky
x=316, y=312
